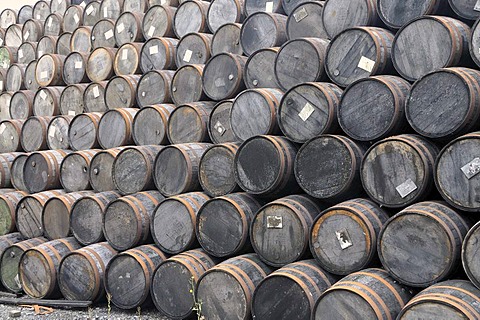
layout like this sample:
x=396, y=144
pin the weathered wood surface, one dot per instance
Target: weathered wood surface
x=253, y=6
x=10, y=135
x=100, y=64
x=49, y=70
x=120, y=91
x=469, y=259
x=158, y=54
x=222, y=12
x=41, y=10
x=191, y=16
x=154, y=88
x=57, y=133
x=80, y=41
x=32, y=30
x=13, y=36
x=188, y=122
x=111, y=9
x=34, y=134
x=91, y=14
x=223, y=76
x=15, y=77
x=5, y=98
x=128, y=28
x=263, y=30
x=219, y=126
x=115, y=128
x=193, y=48
x=135, y=5
x=158, y=22
x=101, y=170
x=6, y=160
x=21, y=104
x=187, y=84
x=47, y=101
x=24, y=13
x=27, y=52
x=40, y=165
x=150, y=125
x=94, y=97
x=60, y=6
x=227, y=39
x=8, y=204
x=16, y=172
x=47, y=45
x=396, y=14
x=8, y=17
x=75, y=68
x=127, y=59
x=53, y=26
x=303, y=21
x=82, y=132
x=71, y=100
x=63, y=44
x=260, y=69
x=74, y=170
x=103, y=34
x=30, y=81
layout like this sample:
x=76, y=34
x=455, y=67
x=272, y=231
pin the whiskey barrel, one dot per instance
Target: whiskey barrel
x=34, y=134
x=80, y=41
x=469, y=259
x=30, y=81
x=49, y=70
x=57, y=133
x=60, y=6
x=154, y=88
x=74, y=170
x=132, y=170
x=111, y=9
x=358, y=53
x=158, y=21
x=94, y=97
x=10, y=263
x=120, y=91
x=8, y=56
x=369, y=117
x=41, y=10
x=227, y=39
x=174, y=220
x=444, y=44
x=16, y=172
x=221, y=12
x=8, y=204
x=21, y=104
x=223, y=76
x=216, y=170
x=301, y=285
x=53, y=26
x=253, y=6
x=115, y=128
x=271, y=174
x=343, y=238
x=71, y=100
x=27, y=52
x=100, y=64
x=254, y=112
x=24, y=13
x=6, y=160
x=263, y=30
x=5, y=98
x=41, y=164
x=7, y=18
x=39, y=265
x=129, y=274
x=47, y=101
x=75, y=68
x=417, y=258
x=188, y=122
x=158, y=54
x=128, y=28
x=15, y=79
x=150, y=125
x=226, y=289
x=172, y=3
x=101, y=170
x=309, y=110
x=13, y=36
x=91, y=14
x=82, y=132
x=86, y=216
x=73, y=19
x=47, y=45
x=173, y=280
x=367, y=294
x=219, y=126
x=464, y=9
x=260, y=69
x=81, y=272
x=191, y=16
x=396, y=14
x=474, y=44
x=124, y=213
x=303, y=21
x=223, y=223
x=193, y=48
x=63, y=44
x=407, y=161
x=103, y=34
x=32, y=30
x=127, y=59
x=187, y=84
x=10, y=131
x=28, y=215
x=176, y=168
x=3, y=76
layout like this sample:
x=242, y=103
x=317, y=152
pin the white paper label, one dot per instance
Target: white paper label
x=1, y=86
x=187, y=56
x=274, y=222
x=50, y=21
x=51, y=131
x=76, y=18
x=477, y=6
x=38, y=17
x=269, y=6
x=300, y=15
x=1, y=42
x=472, y=168
x=120, y=27
x=27, y=34
x=108, y=34
x=219, y=82
x=2, y=128
x=96, y=92
x=89, y=10
x=151, y=31
x=78, y=64
x=71, y=112
x=59, y=1
x=83, y=4
x=105, y=12
x=306, y=112
x=406, y=188
x=344, y=239
x=125, y=54
x=44, y=75
x=43, y=95
x=366, y=64
x=220, y=128
x=153, y=50
x=162, y=2
x=20, y=53
x=40, y=53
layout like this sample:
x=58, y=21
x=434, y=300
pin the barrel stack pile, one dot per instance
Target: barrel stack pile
x=274, y=159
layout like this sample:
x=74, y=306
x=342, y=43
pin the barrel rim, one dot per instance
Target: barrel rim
x=143, y=157
x=239, y=14
x=239, y=78
x=72, y=215
x=210, y=125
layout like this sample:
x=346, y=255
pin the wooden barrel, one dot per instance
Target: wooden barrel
x=469, y=258
x=60, y=6
x=464, y=9
x=188, y=122
x=27, y=52
x=176, y=168
x=81, y=272
x=418, y=258
x=367, y=294
x=73, y=20
x=132, y=170
x=10, y=263
x=219, y=126
x=43, y=164
x=358, y=53
x=10, y=131
x=63, y=44
x=158, y=21
x=15, y=79
x=21, y=104
x=71, y=100
x=271, y=175
x=75, y=68
x=101, y=170
x=227, y=39
x=5, y=98
x=128, y=28
x=32, y=30
x=47, y=45
x=80, y=41
x=150, y=125
x=444, y=44
x=41, y=10
x=111, y=9
x=158, y=54
x=34, y=134
x=47, y=101
x=133, y=210
x=172, y=3
x=24, y=13
x=94, y=97
x=135, y=5
x=191, y=16
x=253, y=6
x=6, y=160
x=226, y=289
x=115, y=128
x=121, y=90
x=13, y=36
x=129, y=274
x=309, y=110
x=260, y=69
x=100, y=64
x=193, y=48
x=103, y=34
x=74, y=170
x=222, y=12
x=396, y=14
x=57, y=133
x=127, y=59
x=301, y=285
x=263, y=30
x=407, y=161
x=49, y=70
x=53, y=26
x=8, y=55
x=254, y=112
x=343, y=238
x=303, y=21
x=154, y=88
x=7, y=18
x=86, y=216
x=223, y=76
x=39, y=265
x=16, y=172
x=187, y=84
x=30, y=80
x=91, y=14
x=223, y=223
x=82, y=132
x=8, y=204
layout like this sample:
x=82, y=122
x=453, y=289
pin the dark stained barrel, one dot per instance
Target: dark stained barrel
x=396, y=14
x=226, y=290
x=82, y=133
x=444, y=43
x=176, y=168
x=101, y=170
x=465, y=9
x=103, y=33
x=150, y=125
x=227, y=39
x=13, y=36
x=263, y=30
x=193, y=48
x=158, y=54
x=47, y=101
x=100, y=64
x=120, y=91
x=111, y=9
x=303, y=21
x=187, y=84
x=127, y=59
x=254, y=112
x=43, y=164
x=216, y=171
x=115, y=128
x=91, y=14
x=174, y=278
x=291, y=292
x=154, y=88
x=75, y=68
x=367, y=294
x=8, y=204
x=129, y=274
x=219, y=126
x=30, y=80
x=94, y=97
x=34, y=134
x=158, y=21
x=39, y=265
x=407, y=161
x=223, y=76
x=223, y=223
x=32, y=30
x=188, y=122
x=71, y=100
x=10, y=131
x=21, y=104
x=49, y=70
x=57, y=133
x=222, y=12
x=128, y=28
x=418, y=258
x=63, y=44
x=191, y=16
x=260, y=69
x=10, y=263
x=47, y=45
x=132, y=170
x=15, y=77
x=53, y=26
x=123, y=213
x=27, y=52
x=73, y=18
x=469, y=255
x=74, y=170
x=174, y=220
x=252, y=6
x=16, y=172
x=309, y=110
x=86, y=216
x=343, y=238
